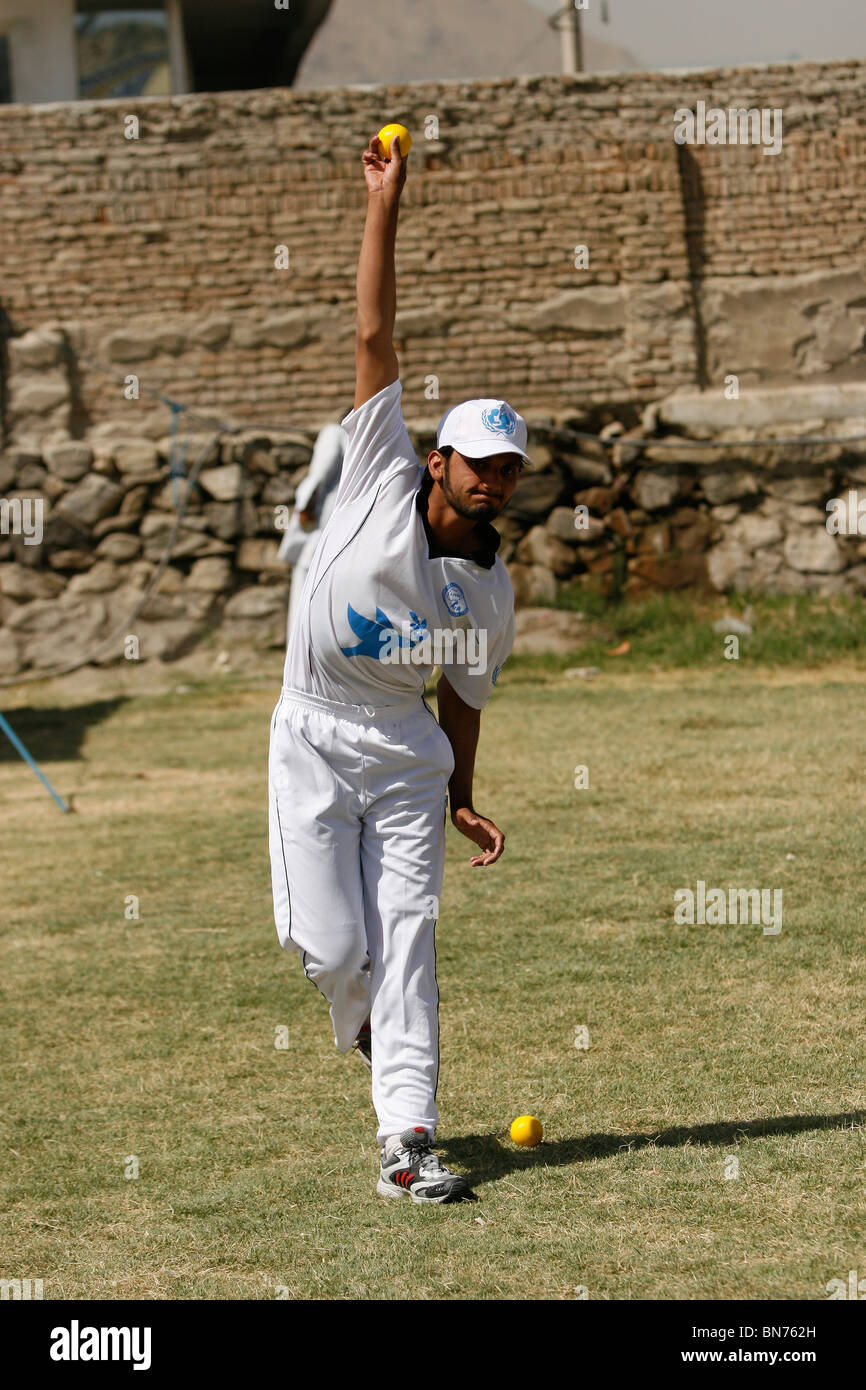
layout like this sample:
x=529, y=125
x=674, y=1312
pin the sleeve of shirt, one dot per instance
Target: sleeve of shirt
x=474, y=682
x=324, y=466
x=379, y=446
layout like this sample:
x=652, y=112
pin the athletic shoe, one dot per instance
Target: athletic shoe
x=414, y=1170
x=363, y=1045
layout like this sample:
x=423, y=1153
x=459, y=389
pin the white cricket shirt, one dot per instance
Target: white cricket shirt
x=377, y=613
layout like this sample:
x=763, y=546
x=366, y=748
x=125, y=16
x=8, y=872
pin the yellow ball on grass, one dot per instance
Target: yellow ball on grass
x=526, y=1131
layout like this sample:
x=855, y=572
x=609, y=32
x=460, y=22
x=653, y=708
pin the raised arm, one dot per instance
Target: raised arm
x=376, y=363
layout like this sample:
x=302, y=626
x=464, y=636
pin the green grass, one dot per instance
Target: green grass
x=257, y=1167
x=675, y=630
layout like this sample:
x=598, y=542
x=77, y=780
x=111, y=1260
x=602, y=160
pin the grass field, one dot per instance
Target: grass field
x=154, y=1039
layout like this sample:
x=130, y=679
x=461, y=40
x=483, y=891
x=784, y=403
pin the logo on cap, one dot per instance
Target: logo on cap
x=502, y=420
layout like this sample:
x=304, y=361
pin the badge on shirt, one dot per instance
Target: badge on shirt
x=455, y=600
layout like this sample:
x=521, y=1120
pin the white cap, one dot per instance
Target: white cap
x=479, y=428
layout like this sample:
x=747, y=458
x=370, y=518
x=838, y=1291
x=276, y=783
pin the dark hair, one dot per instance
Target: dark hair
x=446, y=451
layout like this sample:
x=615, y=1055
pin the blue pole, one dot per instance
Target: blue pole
x=31, y=762
x=176, y=461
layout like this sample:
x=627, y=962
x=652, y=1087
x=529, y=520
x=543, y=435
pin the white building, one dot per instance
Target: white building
x=62, y=50
x=66, y=50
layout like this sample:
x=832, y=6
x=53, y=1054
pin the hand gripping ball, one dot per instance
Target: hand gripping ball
x=386, y=138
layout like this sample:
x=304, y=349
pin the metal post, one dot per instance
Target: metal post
x=177, y=57
x=567, y=21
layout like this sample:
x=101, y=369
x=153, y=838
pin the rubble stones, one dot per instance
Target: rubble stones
x=731, y=517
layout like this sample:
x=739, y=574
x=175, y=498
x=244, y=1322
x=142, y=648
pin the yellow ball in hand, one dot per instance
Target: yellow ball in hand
x=526, y=1131
x=387, y=135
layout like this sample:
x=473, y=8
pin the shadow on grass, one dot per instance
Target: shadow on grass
x=55, y=733
x=486, y=1157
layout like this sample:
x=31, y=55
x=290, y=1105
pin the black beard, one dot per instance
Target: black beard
x=471, y=511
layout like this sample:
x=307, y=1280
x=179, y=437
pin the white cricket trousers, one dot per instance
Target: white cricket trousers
x=357, y=799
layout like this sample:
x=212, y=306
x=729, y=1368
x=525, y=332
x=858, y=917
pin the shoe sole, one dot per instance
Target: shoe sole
x=454, y=1194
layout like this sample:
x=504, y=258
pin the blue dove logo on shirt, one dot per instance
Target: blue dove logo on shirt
x=502, y=420
x=376, y=632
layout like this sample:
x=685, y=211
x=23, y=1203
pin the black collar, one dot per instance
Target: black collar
x=489, y=539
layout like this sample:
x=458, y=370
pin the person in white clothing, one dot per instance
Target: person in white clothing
x=314, y=502
x=405, y=577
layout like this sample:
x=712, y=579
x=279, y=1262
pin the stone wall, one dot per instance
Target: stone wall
x=142, y=272
x=156, y=255
x=702, y=491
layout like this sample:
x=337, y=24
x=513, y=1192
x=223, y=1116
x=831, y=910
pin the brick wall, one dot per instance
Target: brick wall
x=156, y=255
